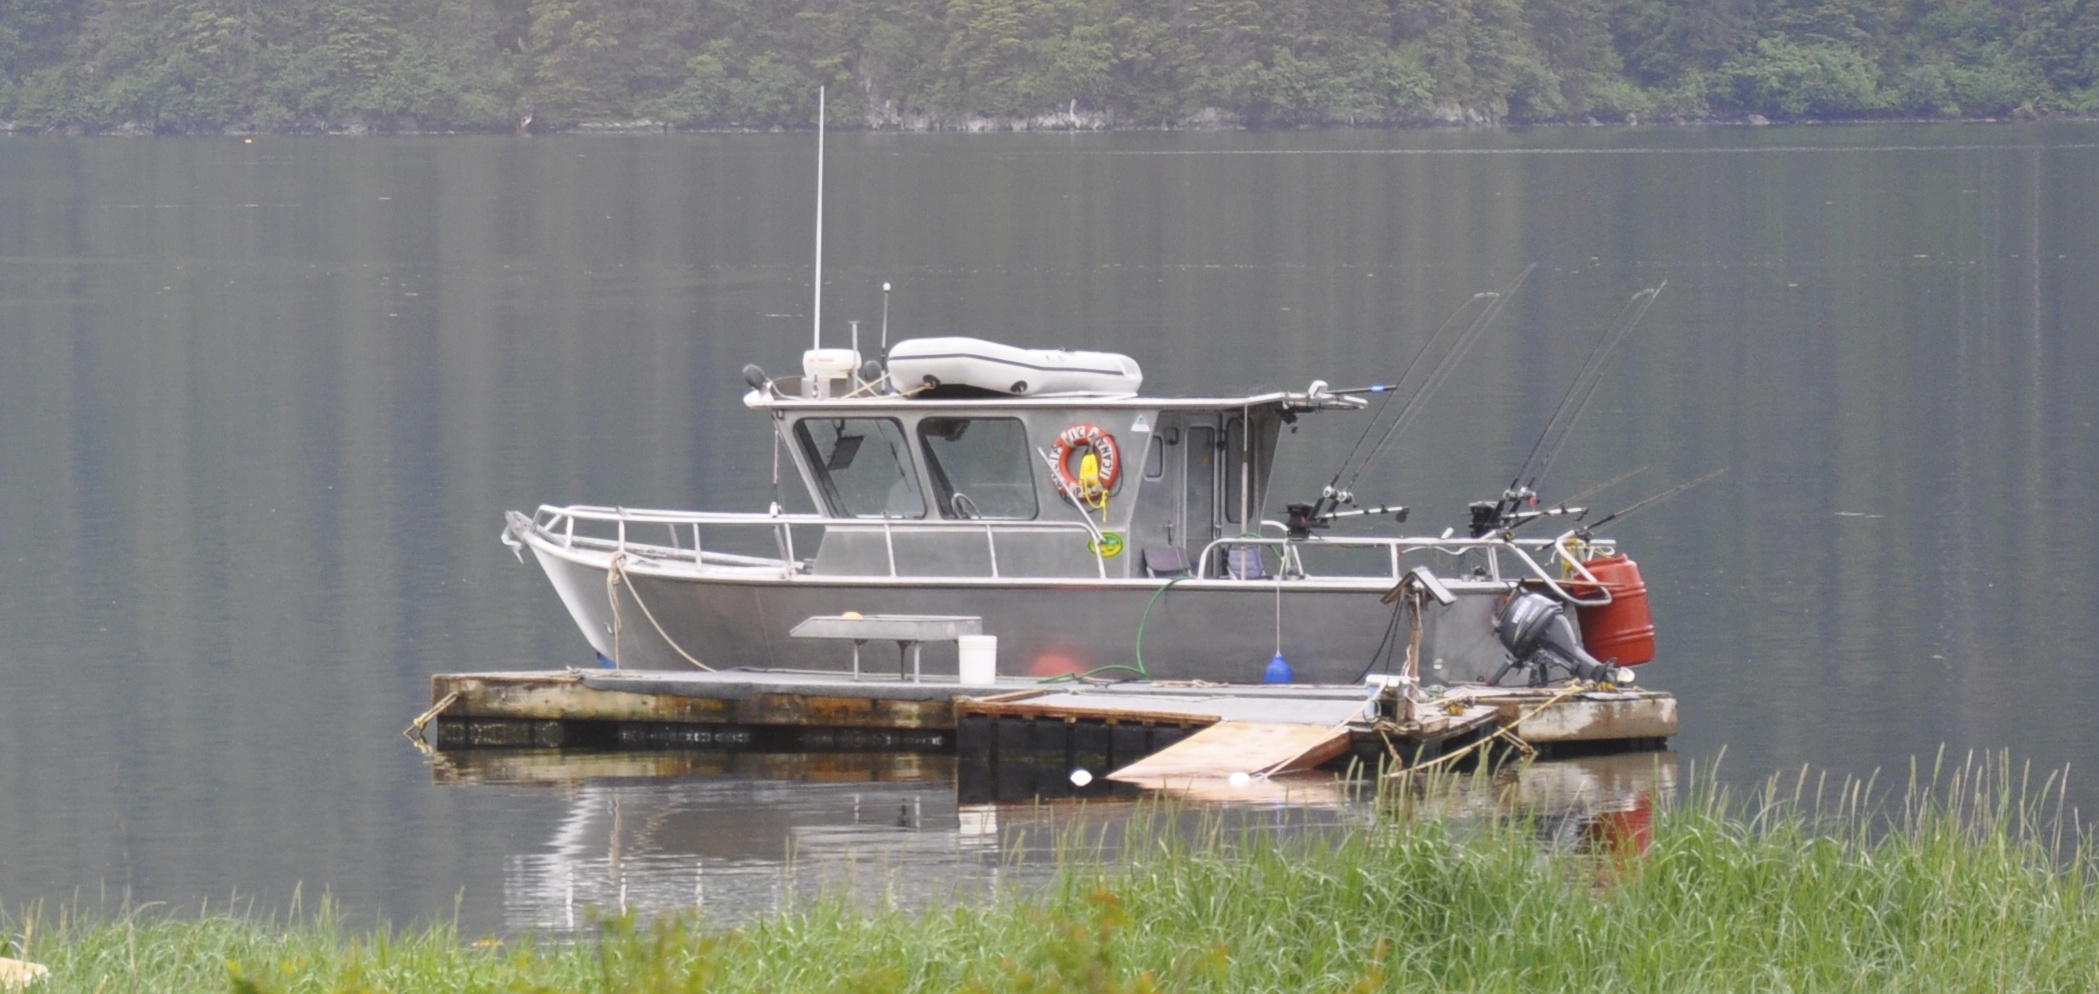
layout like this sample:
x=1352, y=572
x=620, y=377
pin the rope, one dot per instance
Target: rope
x=414, y=730
x=617, y=566
x=616, y=570
x=1505, y=733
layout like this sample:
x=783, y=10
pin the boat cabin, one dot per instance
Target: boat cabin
x=953, y=479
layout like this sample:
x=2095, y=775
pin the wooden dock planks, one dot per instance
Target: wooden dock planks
x=1257, y=728
x=1232, y=747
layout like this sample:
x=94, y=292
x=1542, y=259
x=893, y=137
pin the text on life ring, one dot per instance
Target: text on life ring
x=1096, y=475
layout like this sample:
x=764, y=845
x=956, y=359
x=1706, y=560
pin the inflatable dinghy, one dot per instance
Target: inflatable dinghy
x=989, y=366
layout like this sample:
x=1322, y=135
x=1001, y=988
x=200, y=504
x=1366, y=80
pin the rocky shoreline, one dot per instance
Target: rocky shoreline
x=1073, y=120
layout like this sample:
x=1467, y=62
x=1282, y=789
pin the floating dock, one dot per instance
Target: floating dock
x=1133, y=731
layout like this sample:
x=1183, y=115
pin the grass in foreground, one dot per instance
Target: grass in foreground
x=1965, y=885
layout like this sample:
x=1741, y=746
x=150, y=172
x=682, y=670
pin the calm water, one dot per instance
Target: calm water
x=263, y=405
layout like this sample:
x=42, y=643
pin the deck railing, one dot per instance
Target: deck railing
x=627, y=526
x=1524, y=554
x=1556, y=562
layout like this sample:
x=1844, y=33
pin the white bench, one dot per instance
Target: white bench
x=911, y=632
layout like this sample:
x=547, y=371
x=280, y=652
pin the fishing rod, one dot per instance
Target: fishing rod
x=1487, y=517
x=1594, y=370
x=1560, y=427
x=1605, y=485
x=1303, y=517
x=1391, y=390
x=1438, y=372
x=1657, y=498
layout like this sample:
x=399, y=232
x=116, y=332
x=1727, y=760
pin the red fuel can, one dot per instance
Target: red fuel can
x=1622, y=630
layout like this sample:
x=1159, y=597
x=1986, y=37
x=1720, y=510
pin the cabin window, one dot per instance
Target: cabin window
x=979, y=467
x=1155, y=455
x=862, y=466
x=1202, y=485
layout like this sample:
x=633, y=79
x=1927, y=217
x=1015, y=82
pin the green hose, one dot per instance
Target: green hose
x=1144, y=620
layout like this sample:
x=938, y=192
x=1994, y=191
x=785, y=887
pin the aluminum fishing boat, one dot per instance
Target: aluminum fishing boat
x=1091, y=529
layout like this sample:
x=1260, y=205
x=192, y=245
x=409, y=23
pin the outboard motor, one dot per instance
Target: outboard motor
x=1535, y=630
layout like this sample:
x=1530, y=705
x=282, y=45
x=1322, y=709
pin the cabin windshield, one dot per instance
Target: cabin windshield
x=979, y=467
x=862, y=466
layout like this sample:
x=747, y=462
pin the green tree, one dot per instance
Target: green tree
x=572, y=69
x=896, y=50
x=2061, y=39
x=982, y=61
x=1574, y=37
x=723, y=87
x=1070, y=56
x=1662, y=41
x=183, y=65
x=35, y=35
x=1155, y=66
x=1794, y=80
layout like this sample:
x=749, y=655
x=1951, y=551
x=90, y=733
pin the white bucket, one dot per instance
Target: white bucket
x=979, y=659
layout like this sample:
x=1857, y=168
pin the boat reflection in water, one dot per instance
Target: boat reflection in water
x=739, y=835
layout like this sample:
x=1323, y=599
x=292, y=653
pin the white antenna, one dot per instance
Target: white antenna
x=885, y=319
x=817, y=312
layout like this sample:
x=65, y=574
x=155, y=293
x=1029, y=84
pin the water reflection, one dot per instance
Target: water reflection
x=739, y=835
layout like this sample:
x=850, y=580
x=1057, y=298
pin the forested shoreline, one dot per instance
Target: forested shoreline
x=213, y=66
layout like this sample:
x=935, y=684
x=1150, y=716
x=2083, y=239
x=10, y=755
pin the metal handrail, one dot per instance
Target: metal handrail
x=1401, y=545
x=560, y=522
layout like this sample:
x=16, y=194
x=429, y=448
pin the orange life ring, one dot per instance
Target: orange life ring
x=1104, y=449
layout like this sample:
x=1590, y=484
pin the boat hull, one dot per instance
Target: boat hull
x=1215, y=630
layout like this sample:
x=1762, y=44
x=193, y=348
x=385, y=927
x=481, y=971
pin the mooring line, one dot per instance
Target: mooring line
x=1506, y=733
x=414, y=731
x=615, y=571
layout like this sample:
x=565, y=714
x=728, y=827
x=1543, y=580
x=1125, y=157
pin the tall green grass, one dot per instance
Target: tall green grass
x=1970, y=878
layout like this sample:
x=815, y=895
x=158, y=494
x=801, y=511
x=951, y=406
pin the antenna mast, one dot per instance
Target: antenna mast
x=817, y=311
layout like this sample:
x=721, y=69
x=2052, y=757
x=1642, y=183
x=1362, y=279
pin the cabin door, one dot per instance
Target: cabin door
x=1190, y=478
x=1177, y=502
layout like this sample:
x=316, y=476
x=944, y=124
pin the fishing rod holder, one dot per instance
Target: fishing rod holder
x=1492, y=516
x=1486, y=517
x=1299, y=520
